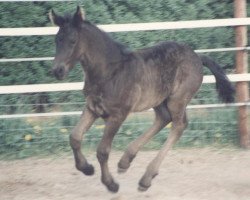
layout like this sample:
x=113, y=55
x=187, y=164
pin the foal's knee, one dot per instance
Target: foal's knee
x=102, y=154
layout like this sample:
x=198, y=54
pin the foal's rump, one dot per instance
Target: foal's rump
x=171, y=66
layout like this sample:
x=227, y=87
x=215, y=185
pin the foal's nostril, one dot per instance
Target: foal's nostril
x=59, y=72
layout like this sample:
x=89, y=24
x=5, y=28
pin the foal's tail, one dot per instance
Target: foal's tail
x=223, y=85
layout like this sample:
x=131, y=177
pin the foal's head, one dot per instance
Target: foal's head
x=67, y=42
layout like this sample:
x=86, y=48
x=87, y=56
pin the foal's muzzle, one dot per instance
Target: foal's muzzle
x=59, y=72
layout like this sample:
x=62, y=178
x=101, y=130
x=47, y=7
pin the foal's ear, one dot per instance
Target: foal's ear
x=56, y=19
x=79, y=16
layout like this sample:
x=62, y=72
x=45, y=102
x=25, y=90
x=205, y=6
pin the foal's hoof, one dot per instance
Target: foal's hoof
x=121, y=170
x=145, y=182
x=143, y=188
x=123, y=167
x=113, y=187
x=88, y=170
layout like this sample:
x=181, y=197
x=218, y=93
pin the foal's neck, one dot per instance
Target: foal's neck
x=101, y=55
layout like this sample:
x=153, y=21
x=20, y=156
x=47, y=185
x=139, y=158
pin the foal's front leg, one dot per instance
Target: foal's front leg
x=111, y=127
x=86, y=120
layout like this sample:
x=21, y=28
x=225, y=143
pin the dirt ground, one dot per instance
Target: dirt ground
x=189, y=174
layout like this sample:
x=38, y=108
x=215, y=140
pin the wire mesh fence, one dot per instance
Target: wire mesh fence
x=29, y=136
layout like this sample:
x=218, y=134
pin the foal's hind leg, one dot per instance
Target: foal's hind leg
x=179, y=123
x=86, y=120
x=162, y=118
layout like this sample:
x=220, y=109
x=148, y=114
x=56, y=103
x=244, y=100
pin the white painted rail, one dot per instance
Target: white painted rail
x=211, y=23
x=53, y=87
x=56, y=87
x=51, y=58
x=57, y=114
x=25, y=59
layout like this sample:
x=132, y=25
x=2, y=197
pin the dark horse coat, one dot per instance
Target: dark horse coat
x=118, y=81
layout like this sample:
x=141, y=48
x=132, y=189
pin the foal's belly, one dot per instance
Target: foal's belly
x=146, y=99
x=145, y=106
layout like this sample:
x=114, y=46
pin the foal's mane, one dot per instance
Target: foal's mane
x=108, y=39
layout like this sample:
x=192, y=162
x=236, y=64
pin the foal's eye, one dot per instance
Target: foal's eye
x=59, y=39
x=72, y=42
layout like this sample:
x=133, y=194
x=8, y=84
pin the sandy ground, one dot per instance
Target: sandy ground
x=193, y=174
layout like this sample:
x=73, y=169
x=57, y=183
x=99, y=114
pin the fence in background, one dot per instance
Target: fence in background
x=217, y=111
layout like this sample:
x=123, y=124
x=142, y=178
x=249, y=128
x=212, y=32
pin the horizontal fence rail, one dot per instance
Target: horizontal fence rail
x=197, y=51
x=25, y=59
x=135, y=26
x=56, y=87
x=56, y=114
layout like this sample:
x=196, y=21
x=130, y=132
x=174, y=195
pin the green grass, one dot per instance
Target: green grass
x=21, y=138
